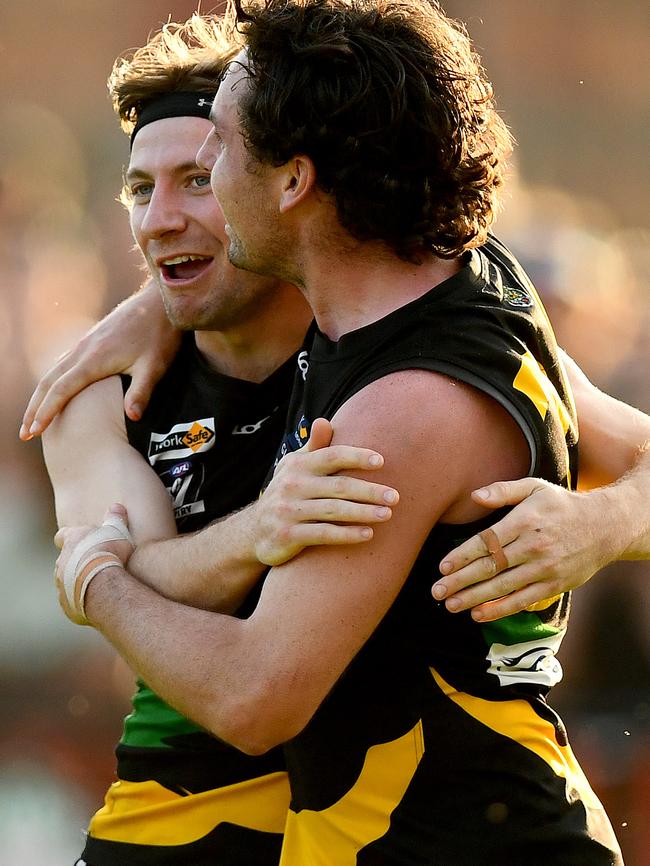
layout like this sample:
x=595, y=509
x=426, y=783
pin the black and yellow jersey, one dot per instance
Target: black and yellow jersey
x=182, y=796
x=436, y=746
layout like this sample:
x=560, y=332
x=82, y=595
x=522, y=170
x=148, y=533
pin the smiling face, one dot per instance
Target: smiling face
x=179, y=227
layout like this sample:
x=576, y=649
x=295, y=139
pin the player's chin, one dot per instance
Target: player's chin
x=185, y=313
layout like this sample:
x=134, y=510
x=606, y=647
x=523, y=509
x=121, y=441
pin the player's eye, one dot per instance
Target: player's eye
x=201, y=181
x=140, y=191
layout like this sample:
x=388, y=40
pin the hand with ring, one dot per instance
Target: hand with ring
x=554, y=540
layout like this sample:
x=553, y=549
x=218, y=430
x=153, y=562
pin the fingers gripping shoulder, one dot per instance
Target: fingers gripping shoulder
x=86, y=562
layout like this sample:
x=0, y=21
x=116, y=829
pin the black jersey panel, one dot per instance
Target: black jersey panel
x=182, y=796
x=226, y=845
x=435, y=703
x=192, y=763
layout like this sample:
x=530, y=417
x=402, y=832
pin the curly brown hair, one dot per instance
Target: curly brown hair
x=389, y=100
x=191, y=56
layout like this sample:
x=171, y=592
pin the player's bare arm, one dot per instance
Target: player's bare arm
x=89, y=459
x=257, y=682
x=555, y=540
x=305, y=505
x=607, y=451
x=91, y=463
x=611, y=432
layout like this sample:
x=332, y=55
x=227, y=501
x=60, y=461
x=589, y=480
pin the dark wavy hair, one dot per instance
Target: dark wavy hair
x=391, y=103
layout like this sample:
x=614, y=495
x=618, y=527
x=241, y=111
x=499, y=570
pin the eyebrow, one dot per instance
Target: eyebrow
x=140, y=174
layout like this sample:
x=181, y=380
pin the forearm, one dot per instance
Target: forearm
x=627, y=504
x=213, y=569
x=195, y=660
x=611, y=432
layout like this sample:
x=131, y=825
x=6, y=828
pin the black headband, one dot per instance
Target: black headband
x=178, y=104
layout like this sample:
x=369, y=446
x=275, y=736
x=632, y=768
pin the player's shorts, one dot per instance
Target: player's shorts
x=146, y=824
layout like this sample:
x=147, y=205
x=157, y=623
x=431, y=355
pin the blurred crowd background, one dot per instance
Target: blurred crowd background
x=572, y=82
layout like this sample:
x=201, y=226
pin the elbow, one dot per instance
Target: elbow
x=257, y=722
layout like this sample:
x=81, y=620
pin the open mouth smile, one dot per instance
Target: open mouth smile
x=183, y=268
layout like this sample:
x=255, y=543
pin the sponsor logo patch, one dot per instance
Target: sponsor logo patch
x=197, y=436
x=302, y=432
x=183, y=440
x=527, y=662
x=295, y=440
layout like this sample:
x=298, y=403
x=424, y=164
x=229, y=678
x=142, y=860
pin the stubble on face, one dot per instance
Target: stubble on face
x=244, y=186
x=176, y=215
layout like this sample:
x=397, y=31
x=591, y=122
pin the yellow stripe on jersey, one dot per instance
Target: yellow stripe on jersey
x=543, y=604
x=517, y=720
x=335, y=835
x=146, y=813
x=532, y=381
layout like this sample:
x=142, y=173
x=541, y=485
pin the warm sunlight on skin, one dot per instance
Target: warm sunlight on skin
x=179, y=227
x=239, y=183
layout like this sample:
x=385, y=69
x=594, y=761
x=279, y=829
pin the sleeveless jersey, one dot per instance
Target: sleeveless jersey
x=183, y=796
x=436, y=746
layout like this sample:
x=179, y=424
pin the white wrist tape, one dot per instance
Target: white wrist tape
x=85, y=563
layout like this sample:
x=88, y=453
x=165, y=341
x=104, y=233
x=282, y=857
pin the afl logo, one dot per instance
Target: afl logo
x=180, y=469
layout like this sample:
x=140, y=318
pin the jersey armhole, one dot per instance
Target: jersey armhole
x=455, y=372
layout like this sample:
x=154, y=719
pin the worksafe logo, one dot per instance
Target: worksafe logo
x=183, y=440
x=197, y=436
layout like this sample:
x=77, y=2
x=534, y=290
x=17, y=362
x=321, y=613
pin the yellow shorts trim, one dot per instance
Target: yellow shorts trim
x=146, y=813
x=336, y=835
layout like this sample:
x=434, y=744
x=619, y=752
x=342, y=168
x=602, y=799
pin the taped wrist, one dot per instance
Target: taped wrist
x=92, y=566
x=85, y=563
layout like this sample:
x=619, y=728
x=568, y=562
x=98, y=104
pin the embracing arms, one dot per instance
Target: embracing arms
x=91, y=464
x=561, y=538
x=135, y=338
x=257, y=682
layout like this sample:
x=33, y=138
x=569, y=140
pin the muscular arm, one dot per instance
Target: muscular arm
x=91, y=464
x=257, y=682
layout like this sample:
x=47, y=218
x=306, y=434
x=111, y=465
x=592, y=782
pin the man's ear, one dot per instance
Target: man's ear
x=298, y=181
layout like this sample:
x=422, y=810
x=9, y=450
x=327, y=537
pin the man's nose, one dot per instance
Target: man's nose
x=164, y=214
x=207, y=155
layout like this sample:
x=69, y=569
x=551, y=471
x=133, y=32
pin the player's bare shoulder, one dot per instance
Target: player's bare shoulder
x=439, y=428
x=95, y=412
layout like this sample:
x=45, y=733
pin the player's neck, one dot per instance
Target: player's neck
x=362, y=285
x=253, y=349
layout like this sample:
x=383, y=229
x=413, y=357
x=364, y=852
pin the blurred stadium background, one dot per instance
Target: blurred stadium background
x=572, y=82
